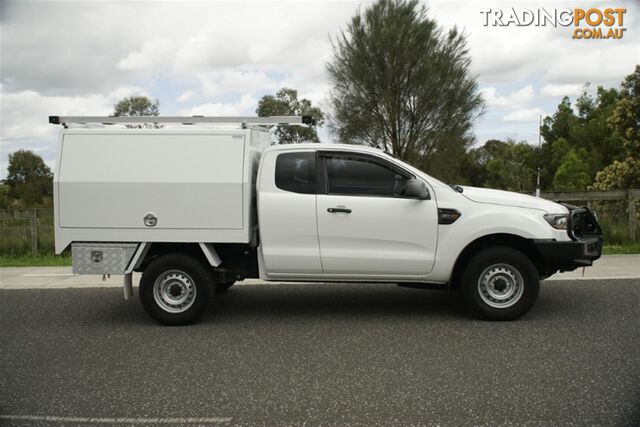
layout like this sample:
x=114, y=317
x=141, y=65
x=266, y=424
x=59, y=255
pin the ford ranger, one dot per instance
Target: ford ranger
x=196, y=209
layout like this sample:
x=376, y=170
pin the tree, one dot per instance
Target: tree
x=587, y=132
x=593, y=133
x=473, y=168
x=585, y=103
x=626, y=114
x=561, y=123
x=573, y=172
x=556, y=129
x=619, y=174
x=138, y=106
x=447, y=160
x=504, y=165
x=559, y=151
x=402, y=84
x=510, y=166
x=29, y=179
x=286, y=103
x=624, y=122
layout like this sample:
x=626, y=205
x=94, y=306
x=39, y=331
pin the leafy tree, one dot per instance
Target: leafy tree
x=559, y=150
x=511, y=168
x=626, y=114
x=561, y=123
x=593, y=133
x=573, y=172
x=402, y=84
x=447, y=160
x=619, y=174
x=473, y=168
x=504, y=165
x=555, y=128
x=29, y=179
x=138, y=106
x=625, y=122
x=588, y=132
x=286, y=103
x=585, y=103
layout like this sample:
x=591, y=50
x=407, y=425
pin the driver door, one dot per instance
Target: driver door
x=365, y=227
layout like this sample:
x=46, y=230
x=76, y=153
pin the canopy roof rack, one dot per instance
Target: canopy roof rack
x=245, y=121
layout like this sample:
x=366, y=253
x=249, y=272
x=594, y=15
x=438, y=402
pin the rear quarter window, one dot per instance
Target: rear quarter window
x=296, y=172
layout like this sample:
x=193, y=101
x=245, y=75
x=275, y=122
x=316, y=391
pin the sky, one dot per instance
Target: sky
x=220, y=58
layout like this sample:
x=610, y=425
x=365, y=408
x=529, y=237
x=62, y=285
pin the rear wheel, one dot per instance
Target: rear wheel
x=175, y=289
x=500, y=283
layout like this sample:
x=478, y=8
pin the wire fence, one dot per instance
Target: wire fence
x=24, y=232
x=617, y=211
x=30, y=232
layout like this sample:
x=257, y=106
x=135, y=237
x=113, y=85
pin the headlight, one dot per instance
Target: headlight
x=557, y=221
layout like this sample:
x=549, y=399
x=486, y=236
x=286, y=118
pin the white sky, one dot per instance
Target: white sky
x=219, y=58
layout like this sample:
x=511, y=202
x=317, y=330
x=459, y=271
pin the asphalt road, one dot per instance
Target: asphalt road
x=323, y=354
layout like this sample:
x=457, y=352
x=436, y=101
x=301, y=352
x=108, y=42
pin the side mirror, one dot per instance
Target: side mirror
x=416, y=189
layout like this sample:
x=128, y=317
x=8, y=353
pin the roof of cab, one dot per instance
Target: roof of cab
x=324, y=146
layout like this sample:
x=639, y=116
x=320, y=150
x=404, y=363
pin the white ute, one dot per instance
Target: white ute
x=205, y=202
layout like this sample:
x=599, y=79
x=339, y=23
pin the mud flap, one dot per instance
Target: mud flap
x=128, y=286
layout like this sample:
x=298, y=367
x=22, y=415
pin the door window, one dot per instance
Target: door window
x=362, y=177
x=296, y=172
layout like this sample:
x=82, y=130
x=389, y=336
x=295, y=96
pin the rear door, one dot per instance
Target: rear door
x=287, y=213
x=365, y=227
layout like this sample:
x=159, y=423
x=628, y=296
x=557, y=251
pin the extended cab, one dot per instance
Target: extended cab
x=198, y=208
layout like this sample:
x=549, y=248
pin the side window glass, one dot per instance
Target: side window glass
x=355, y=176
x=296, y=172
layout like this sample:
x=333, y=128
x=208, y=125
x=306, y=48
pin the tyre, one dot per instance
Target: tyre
x=500, y=283
x=175, y=289
x=223, y=286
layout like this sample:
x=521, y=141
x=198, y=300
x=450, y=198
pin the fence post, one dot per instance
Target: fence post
x=632, y=215
x=34, y=232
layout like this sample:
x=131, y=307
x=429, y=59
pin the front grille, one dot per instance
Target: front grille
x=583, y=224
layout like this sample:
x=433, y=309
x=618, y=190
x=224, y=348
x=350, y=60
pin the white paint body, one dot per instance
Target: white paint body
x=218, y=186
x=383, y=239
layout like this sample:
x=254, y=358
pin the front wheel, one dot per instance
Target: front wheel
x=175, y=289
x=500, y=283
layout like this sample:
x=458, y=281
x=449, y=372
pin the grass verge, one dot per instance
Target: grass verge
x=34, y=261
x=627, y=248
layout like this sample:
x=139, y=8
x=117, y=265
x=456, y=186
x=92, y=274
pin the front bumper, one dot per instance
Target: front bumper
x=584, y=247
x=568, y=255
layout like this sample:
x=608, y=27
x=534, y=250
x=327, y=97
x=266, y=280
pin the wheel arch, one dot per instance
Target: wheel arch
x=514, y=241
x=158, y=249
x=230, y=261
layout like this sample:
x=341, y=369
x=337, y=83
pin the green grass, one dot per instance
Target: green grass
x=15, y=235
x=37, y=261
x=627, y=248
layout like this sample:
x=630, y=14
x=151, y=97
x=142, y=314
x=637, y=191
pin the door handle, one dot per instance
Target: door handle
x=339, y=210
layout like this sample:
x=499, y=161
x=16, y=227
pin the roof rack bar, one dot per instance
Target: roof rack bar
x=268, y=121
